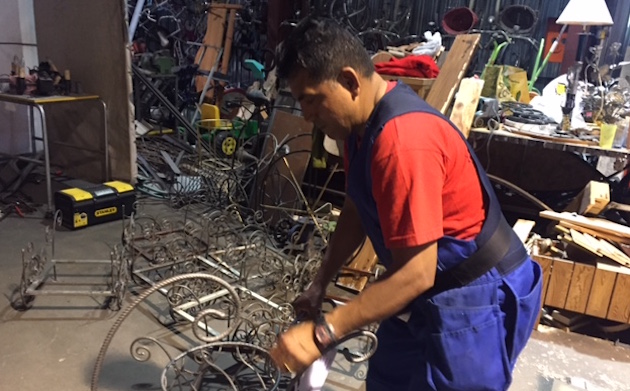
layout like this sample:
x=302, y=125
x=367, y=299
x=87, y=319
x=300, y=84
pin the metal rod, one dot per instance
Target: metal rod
x=34, y=292
x=79, y=261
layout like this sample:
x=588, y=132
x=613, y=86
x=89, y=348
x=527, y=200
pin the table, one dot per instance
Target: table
x=40, y=103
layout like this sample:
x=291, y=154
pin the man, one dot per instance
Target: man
x=460, y=296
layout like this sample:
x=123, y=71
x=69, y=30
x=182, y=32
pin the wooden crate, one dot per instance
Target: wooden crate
x=600, y=290
x=420, y=85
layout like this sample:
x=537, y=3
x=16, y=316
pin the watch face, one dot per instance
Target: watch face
x=322, y=336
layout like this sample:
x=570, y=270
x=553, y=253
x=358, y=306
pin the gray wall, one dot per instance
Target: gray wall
x=89, y=38
x=17, y=27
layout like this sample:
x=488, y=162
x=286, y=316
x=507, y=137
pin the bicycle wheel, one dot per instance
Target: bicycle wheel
x=231, y=101
x=353, y=13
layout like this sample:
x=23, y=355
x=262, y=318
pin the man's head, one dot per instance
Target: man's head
x=329, y=72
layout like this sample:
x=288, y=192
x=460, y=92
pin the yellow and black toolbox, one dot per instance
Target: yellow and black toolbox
x=94, y=205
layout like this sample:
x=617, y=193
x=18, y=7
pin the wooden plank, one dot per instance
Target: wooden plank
x=229, y=38
x=580, y=287
x=602, y=225
x=599, y=299
x=364, y=261
x=453, y=71
x=212, y=43
x=613, y=253
x=420, y=85
x=522, y=228
x=466, y=102
x=586, y=241
x=619, y=310
x=559, y=283
x=597, y=234
x=545, y=264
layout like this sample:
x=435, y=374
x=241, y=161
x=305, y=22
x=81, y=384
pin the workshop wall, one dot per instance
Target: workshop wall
x=17, y=36
x=89, y=38
x=426, y=13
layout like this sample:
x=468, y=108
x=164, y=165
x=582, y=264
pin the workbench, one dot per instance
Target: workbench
x=568, y=145
x=40, y=104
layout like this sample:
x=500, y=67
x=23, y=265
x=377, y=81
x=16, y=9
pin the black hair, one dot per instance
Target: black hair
x=322, y=47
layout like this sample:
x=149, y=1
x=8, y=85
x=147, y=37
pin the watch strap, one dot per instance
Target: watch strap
x=324, y=335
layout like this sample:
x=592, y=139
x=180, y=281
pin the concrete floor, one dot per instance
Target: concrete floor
x=53, y=346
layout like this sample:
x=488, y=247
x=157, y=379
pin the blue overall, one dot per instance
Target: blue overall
x=464, y=338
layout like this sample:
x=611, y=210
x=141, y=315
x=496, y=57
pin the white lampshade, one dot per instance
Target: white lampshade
x=586, y=13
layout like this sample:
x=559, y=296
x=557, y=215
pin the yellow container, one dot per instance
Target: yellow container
x=607, y=135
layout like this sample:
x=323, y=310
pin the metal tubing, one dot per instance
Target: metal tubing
x=49, y=205
x=67, y=293
x=106, y=169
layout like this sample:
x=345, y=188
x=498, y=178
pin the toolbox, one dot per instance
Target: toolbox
x=94, y=205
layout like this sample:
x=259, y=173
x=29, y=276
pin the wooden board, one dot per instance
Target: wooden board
x=466, y=102
x=421, y=86
x=559, y=283
x=522, y=228
x=599, y=299
x=212, y=43
x=453, y=71
x=601, y=225
x=545, y=264
x=229, y=38
x=561, y=140
x=364, y=261
x=597, y=234
x=580, y=287
x=619, y=310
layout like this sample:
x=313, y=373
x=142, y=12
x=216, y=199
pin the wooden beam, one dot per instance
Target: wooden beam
x=466, y=102
x=453, y=71
x=212, y=42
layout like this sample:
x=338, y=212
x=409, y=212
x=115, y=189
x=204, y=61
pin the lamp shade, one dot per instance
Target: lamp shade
x=586, y=13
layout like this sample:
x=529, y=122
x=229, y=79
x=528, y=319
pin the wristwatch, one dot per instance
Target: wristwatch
x=323, y=334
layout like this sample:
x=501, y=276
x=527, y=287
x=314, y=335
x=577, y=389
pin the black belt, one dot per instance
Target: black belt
x=491, y=254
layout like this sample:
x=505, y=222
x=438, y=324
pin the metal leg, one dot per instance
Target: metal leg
x=31, y=114
x=106, y=169
x=49, y=207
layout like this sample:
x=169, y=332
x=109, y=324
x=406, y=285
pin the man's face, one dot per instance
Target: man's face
x=327, y=104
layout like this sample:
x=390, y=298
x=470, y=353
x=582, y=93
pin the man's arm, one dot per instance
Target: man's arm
x=412, y=273
x=345, y=240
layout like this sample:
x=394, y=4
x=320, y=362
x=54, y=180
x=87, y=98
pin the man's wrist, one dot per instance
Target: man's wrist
x=323, y=334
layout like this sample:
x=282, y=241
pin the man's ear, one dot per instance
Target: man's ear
x=350, y=80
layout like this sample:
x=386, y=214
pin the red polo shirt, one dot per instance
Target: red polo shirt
x=424, y=182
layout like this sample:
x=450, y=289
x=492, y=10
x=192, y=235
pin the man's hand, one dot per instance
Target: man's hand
x=308, y=305
x=296, y=350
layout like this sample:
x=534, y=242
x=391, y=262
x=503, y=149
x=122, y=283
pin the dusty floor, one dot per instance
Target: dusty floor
x=54, y=345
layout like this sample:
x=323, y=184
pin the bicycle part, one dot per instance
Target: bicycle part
x=352, y=13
